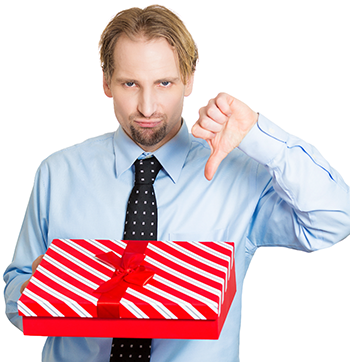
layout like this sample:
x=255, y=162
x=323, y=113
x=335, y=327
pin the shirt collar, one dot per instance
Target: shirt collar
x=172, y=155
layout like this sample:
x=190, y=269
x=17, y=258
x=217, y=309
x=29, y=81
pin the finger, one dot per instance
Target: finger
x=36, y=263
x=23, y=286
x=213, y=112
x=224, y=102
x=213, y=163
x=209, y=124
x=211, y=119
x=200, y=132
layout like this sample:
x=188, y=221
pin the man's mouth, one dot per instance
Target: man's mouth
x=148, y=123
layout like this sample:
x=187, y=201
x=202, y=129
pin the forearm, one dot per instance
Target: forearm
x=307, y=199
x=31, y=244
x=14, y=279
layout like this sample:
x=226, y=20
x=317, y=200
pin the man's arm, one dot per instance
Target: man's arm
x=32, y=242
x=306, y=204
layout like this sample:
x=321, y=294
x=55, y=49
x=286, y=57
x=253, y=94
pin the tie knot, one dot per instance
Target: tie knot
x=146, y=170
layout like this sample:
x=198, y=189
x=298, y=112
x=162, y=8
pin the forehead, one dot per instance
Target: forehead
x=145, y=59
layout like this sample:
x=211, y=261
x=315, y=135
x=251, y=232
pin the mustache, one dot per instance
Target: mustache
x=140, y=117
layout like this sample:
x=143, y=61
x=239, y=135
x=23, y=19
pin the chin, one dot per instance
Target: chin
x=148, y=137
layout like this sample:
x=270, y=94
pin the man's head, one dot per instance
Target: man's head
x=150, y=23
x=148, y=58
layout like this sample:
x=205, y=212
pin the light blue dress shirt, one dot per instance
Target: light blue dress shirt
x=274, y=190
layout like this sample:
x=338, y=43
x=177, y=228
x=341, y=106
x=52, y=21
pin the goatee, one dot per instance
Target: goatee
x=148, y=136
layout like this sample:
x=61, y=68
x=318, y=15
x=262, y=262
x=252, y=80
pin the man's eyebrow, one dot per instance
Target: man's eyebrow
x=168, y=79
x=125, y=80
x=165, y=79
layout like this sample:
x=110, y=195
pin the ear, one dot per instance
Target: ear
x=106, y=87
x=189, y=85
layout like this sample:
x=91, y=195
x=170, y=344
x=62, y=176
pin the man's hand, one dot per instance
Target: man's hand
x=223, y=123
x=35, y=264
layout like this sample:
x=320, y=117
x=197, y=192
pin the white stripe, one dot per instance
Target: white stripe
x=179, y=275
x=98, y=245
x=76, y=246
x=119, y=243
x=86, y=253
x=165, y=312
x=207, y=249
x=133, y=309
x=80, y=263
x=70, y=302
x=210, y=303
x=102, y=247
x=188, y=266
x=67, y=285
x=71, y=273
x=197, y=257
x=25, y=310
x=228, y=246
x=43, y=302
x=188, y=307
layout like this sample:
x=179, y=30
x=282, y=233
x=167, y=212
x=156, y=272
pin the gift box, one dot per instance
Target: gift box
x=130, y=289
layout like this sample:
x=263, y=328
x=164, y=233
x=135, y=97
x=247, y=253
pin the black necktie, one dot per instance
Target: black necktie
x=140, y=224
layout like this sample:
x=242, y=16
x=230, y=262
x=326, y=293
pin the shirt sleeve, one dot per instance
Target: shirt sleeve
x=306, y=204
x=32, y=242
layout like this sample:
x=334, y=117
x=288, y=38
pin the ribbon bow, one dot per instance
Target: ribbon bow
x=127, y=271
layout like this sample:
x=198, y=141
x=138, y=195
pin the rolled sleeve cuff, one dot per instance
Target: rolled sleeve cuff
x=264, y=141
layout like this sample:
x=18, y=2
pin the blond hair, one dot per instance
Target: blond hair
x=152, y=22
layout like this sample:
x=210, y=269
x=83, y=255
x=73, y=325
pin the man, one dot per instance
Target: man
x=258, y=190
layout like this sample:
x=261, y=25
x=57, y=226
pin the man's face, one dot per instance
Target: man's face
x=147, y=90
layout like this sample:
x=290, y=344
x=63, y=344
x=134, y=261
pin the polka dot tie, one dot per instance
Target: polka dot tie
x=140, y=224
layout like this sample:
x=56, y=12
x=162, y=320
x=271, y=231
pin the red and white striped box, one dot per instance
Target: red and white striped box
x=117, y=288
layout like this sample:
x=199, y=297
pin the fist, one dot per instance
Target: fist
x=223, y=123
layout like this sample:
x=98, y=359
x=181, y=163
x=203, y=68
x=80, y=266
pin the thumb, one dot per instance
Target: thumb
x=36, y=262
x=213, y=163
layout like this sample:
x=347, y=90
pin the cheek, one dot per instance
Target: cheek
x=123, y=105
x=173, y=104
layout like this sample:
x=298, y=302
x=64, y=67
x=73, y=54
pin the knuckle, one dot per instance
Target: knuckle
x=221, y=101
x=221, y=95
x=211, y=112
x=206, y=122
x=194, y=128
x=202, y=111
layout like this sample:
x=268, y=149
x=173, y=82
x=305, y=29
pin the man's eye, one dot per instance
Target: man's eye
x=165, y=84
x=129, y=84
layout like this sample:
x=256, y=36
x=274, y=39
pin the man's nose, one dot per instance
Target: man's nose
x=147, y=103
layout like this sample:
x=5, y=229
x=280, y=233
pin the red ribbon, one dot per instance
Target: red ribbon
x=128, y=270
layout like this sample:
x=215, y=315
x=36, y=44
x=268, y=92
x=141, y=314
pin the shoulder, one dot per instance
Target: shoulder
x=86, y=151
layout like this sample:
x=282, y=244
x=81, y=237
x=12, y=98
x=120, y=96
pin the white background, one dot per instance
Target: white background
x=288, y=60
